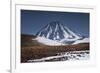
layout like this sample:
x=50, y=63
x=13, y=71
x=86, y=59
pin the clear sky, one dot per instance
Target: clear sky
x=32, y=21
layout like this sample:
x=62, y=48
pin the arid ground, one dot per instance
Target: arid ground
x=31, y=49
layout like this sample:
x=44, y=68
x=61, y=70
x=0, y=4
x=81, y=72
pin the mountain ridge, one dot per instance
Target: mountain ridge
x=57, y=31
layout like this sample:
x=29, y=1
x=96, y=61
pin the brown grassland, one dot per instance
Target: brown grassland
x=34, y=50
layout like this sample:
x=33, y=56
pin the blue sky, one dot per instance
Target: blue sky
x=32, y=21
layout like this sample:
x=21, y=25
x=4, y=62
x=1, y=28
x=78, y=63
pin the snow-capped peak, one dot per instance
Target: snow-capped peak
x=57, y=31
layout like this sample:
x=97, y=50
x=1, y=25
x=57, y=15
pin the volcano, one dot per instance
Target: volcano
x=57, y=32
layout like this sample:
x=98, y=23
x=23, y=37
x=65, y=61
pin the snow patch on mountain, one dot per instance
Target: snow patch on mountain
x=46, y=41
x=85, y=40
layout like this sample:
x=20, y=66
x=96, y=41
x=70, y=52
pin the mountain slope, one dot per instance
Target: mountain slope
x=49, y=42
x=85, y=40
x=57, y=31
